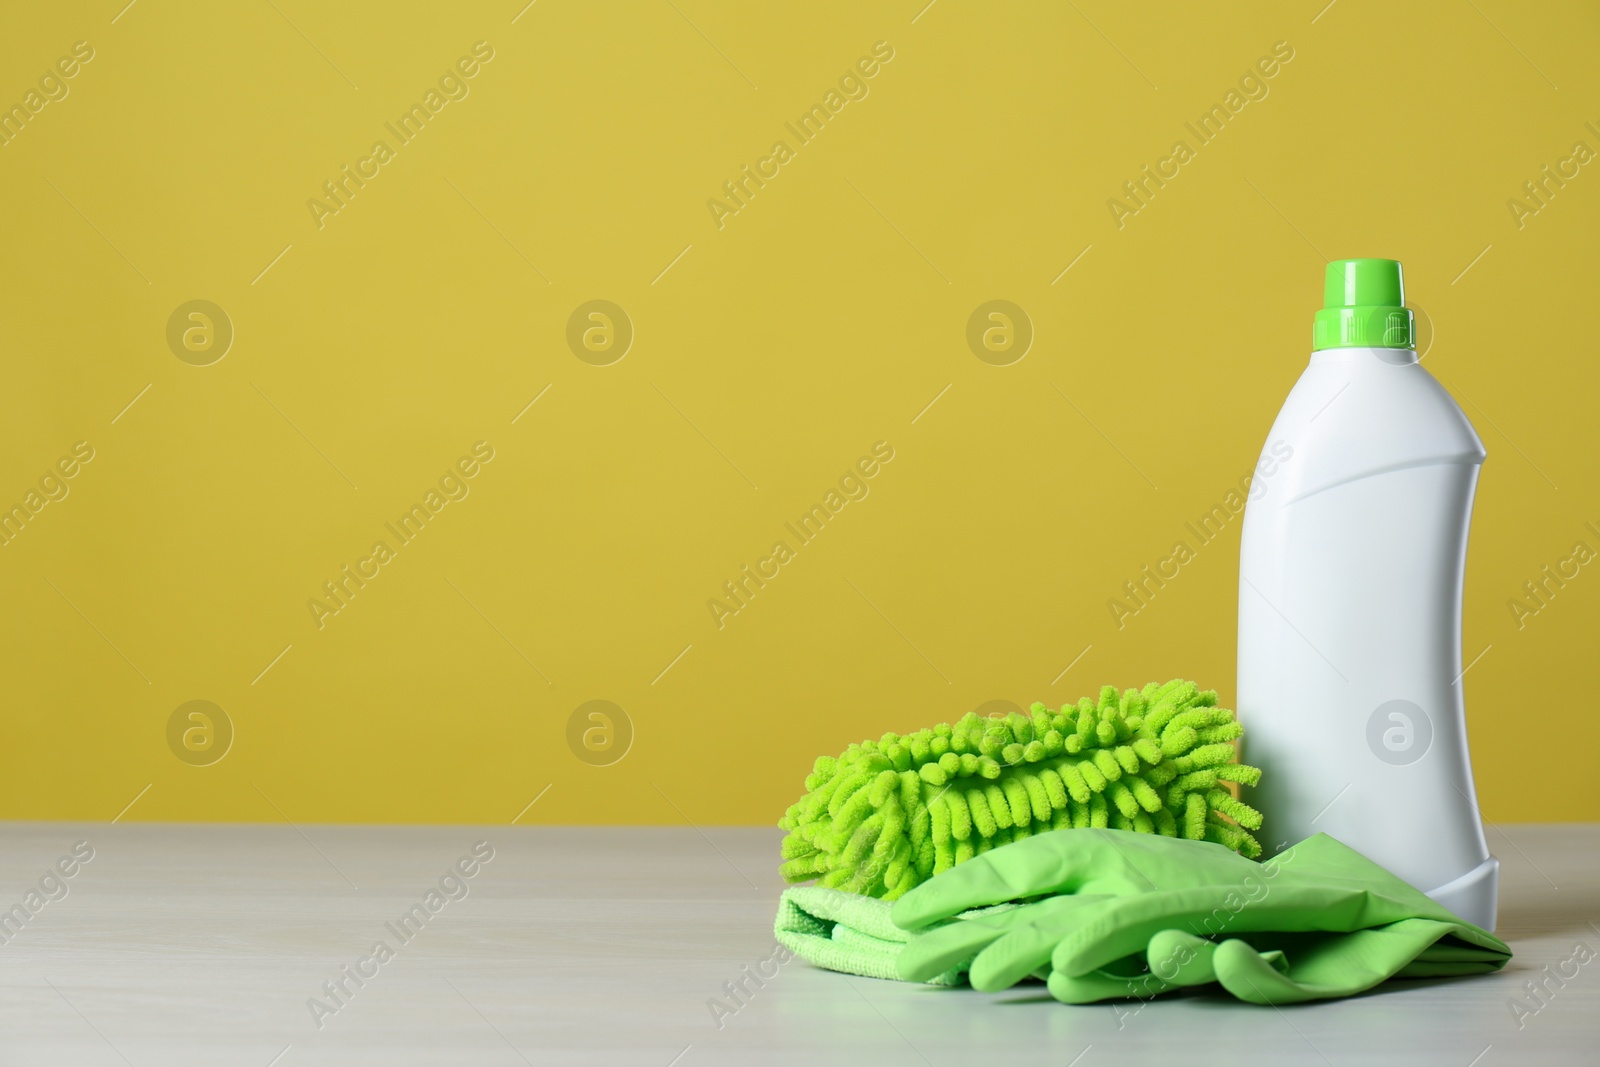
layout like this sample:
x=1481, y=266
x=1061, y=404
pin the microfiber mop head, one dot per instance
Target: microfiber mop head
x=889, y=814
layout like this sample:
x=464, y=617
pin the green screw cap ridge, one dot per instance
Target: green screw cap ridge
x=1363, y=306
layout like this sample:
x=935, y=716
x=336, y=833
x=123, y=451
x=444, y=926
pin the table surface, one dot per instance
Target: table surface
x=205, y=944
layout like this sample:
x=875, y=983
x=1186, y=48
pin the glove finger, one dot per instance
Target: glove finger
x=933, y=952
x=1126, y=926
x=1181, y=958
x=1040, y=864
x=1026, y=946
x=1251, y=977
x=1102, y=985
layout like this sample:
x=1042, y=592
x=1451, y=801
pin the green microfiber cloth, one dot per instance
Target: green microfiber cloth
x=886, y=815
x=851, y=933
x=1107, y=914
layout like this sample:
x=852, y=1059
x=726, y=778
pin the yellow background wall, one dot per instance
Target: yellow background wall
x=374, y=346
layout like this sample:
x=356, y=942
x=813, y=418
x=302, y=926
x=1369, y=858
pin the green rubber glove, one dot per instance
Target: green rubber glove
x=1137, y=915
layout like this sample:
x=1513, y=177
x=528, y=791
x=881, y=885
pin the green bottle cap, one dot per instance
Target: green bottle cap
x=1363, y=306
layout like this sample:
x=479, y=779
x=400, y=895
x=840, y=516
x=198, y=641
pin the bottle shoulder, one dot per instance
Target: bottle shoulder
x=1366, y=412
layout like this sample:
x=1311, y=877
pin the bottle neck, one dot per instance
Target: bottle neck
x=1395, y=357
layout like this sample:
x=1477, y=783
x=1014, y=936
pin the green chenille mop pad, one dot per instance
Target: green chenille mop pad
x=887, y=815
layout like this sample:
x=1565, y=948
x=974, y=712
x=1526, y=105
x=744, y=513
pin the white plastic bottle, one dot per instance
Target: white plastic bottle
x=1350, y=581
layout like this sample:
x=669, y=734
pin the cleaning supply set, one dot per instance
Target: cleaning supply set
x=1103, y=848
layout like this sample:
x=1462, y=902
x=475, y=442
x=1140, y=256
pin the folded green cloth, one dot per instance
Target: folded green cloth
x=1104, y=914
x=852, y=933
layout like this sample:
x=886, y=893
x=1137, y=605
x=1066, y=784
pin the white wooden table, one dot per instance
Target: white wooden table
x=202, y=944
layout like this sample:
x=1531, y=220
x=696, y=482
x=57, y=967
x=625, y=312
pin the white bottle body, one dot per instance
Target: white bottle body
x=1350, y=589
